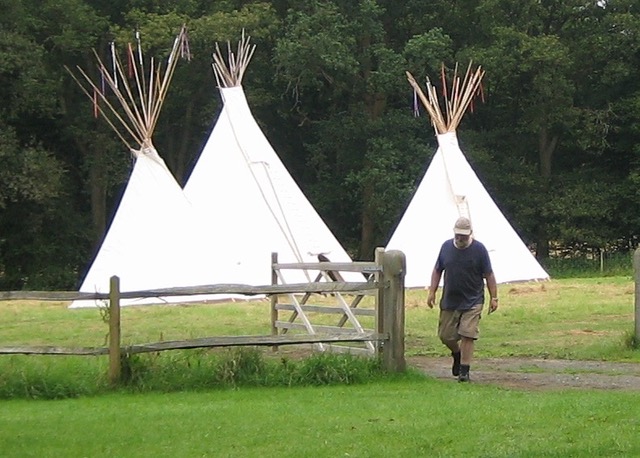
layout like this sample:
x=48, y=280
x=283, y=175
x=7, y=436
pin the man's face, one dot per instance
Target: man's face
x=462, y=241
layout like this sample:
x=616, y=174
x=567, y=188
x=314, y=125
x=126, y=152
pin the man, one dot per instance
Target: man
x=466, y=265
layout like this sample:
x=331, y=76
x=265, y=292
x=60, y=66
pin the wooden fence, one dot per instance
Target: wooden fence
x=385, y=282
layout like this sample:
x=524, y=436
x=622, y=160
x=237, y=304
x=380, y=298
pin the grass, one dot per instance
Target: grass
x=47, y=377
x=587, y=318
x=408, y=416
x=206, y=403
x=569, y=318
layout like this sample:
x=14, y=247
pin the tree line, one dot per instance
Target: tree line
x=555, y=142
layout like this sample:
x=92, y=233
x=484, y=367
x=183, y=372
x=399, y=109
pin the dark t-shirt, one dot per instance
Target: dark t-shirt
x=464, y=271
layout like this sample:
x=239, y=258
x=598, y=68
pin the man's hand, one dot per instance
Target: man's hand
x=431, y=299
x=493, y=305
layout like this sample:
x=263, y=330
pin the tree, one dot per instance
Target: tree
x=36, y=204
x=343, y=64
x=546, y=101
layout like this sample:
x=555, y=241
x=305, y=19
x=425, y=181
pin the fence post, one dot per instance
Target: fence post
x=636, y=270
x=115, y=369
x=274, y=299
x=393, y=273
x=379, y=298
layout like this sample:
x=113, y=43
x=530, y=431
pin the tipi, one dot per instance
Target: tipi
x=154, y=240
x=251, y=202
x=450, y=189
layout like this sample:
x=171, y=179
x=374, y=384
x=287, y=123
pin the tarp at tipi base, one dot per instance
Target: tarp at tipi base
x=250, y=201
x=433, y=210
x=450, y=189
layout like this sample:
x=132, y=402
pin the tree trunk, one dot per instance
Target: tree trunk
x=367, y=241
x=183, y=150
x=97, y=188
x=98, y=197
x=376, y=104
x=546, y=148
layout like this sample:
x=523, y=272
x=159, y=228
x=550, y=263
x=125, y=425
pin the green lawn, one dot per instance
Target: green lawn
x=568, y=318
x=409, y=417
x=403, y=418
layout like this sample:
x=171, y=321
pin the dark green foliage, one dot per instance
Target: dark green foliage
x=555, y=143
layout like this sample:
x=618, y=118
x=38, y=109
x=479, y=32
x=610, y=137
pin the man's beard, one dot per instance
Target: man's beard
x=461, y=245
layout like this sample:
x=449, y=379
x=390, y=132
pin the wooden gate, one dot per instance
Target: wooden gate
x=312, y=313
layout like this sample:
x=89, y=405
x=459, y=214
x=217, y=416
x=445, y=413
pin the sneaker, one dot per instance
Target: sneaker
x=455, y=368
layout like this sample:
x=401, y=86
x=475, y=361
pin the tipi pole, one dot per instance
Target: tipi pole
x=142, y=109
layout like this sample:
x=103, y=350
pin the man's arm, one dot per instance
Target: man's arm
x=433, y=287
x=493, y=291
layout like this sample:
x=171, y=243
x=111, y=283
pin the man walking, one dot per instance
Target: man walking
x=466, y=266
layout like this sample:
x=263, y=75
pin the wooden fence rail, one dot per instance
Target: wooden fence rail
x=249, y=290
x=386, y=283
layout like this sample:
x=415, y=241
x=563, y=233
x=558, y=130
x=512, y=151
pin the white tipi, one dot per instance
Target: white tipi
x=450, y=189
x=154, y=240
x=251, y=202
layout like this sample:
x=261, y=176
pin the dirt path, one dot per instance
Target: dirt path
x=538, y=374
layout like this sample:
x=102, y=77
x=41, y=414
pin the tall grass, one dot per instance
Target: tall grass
x=46, y=377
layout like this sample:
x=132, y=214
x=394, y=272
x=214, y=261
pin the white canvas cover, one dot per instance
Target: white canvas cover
x=429, y=218
x=154, y=241
x=252, y=204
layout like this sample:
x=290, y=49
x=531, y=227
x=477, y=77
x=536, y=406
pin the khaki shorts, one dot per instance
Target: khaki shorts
x=454, y=324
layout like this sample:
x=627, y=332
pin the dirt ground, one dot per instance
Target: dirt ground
x=538, y=374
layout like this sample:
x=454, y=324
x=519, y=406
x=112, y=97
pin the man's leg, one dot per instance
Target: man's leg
x=452, y=345
x=466, y=350
x=466, y=356
x=448, y=333
x=469, y=331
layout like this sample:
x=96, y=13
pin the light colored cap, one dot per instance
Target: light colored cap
x=462, y=226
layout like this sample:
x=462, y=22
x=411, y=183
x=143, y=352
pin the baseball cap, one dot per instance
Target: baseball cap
x=462, y=226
